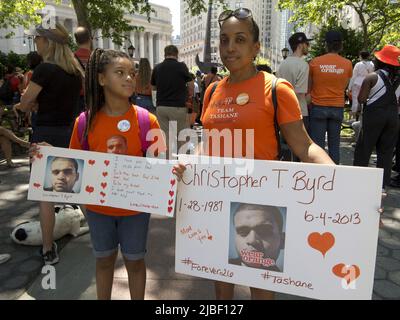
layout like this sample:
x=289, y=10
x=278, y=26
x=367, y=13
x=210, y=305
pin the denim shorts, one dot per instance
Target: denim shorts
x=109, y=232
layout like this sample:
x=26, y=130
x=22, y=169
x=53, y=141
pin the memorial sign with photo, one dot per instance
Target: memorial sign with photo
x=303, y=229
x=74, y=176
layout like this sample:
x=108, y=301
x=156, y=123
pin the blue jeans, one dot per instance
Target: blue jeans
x=327, y=119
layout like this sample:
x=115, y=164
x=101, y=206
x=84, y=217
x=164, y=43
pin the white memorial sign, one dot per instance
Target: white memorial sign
x=303, y=229
x=74, y=176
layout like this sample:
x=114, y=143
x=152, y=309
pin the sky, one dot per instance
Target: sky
x=174, y=6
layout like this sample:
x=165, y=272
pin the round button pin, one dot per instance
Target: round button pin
x=124, y=125
x=242, y=99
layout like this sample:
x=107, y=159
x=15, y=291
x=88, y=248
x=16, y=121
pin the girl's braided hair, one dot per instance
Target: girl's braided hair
x=94, y=92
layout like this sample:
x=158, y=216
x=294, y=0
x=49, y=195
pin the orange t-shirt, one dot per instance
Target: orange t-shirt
x=103, y=128
x=223, y=112
x=330, y=75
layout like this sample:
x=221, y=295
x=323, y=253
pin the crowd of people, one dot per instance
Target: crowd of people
x=102, y=87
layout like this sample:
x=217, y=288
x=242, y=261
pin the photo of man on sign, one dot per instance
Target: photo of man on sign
x=63, y=175
x=257, y=236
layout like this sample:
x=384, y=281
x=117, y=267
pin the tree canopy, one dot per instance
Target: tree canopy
x=379, y=19
x=109, y=16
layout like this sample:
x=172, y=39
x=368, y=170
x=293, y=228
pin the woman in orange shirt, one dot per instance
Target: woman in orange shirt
x=243, y=101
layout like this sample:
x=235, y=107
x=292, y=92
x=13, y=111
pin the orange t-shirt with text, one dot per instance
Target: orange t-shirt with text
x=103, y=128
x=330, y=75
x=223, y=112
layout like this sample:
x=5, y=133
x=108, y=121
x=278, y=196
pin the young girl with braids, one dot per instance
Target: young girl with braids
x=112, y=124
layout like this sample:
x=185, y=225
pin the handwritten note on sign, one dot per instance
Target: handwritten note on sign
x=302, y=229
x=74, y=176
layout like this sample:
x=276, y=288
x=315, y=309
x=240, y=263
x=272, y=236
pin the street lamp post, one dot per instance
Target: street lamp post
x=285, y=53
x=131, y=50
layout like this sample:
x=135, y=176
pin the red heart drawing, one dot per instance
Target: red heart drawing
x=170, y=209
x=321, y=242
x=89, y=189
x=103, y=185
x=37, y=185
x=173, y=182
x=349, y=273
x=92, y=162
x=171, y=193
x=106, y=162
x=102, y=201
x=170, y=202
x=105, y=174
x=39, y=156
x=102, y=194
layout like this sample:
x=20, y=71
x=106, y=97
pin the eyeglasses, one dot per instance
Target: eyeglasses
x=241, y=13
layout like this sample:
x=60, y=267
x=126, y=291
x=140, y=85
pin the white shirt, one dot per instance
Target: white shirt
x=361, y=70
x=196, y=88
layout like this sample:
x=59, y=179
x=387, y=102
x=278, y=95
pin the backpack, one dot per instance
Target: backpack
x=6, y=92
x=144, y=127
x=284, y=152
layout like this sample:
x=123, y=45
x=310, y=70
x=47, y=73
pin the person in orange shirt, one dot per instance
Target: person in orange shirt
x=328, y=79
x=109, y=84
x=243, y=101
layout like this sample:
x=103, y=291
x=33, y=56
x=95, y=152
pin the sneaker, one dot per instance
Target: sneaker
x=50, y=257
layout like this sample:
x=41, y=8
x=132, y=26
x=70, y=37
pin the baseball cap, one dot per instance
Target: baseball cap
x=389, y=54
x=298, y=37
x=333, y=36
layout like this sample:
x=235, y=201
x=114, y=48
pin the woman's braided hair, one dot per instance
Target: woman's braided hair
x=94, y=92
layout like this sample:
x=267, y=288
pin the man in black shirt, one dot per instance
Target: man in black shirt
x=169, y=78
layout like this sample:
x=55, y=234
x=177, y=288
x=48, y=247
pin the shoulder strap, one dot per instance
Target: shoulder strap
x=81, y=130
x=215, y=85
x=80, y=61
x=383, y=77
x=276, y=125
x=144, y=127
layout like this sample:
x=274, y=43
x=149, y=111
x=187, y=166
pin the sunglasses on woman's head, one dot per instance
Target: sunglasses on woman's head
x=241, y=13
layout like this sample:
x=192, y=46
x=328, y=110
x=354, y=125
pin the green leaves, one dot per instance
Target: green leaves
x=108, y=15
x=14, y=13
x=352, y=44
x=378, y=18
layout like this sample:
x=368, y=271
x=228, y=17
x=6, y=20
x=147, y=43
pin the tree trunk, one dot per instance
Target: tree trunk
x=364, y=24
x=81, y=11
x=366, y=37
x=207, y=44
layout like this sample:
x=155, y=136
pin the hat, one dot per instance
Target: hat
x=52, y=34
x=298, y=37
x=389, y=55
x=333, y=36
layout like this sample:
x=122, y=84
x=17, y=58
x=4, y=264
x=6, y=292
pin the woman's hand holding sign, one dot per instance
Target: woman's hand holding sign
x=34, y=150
